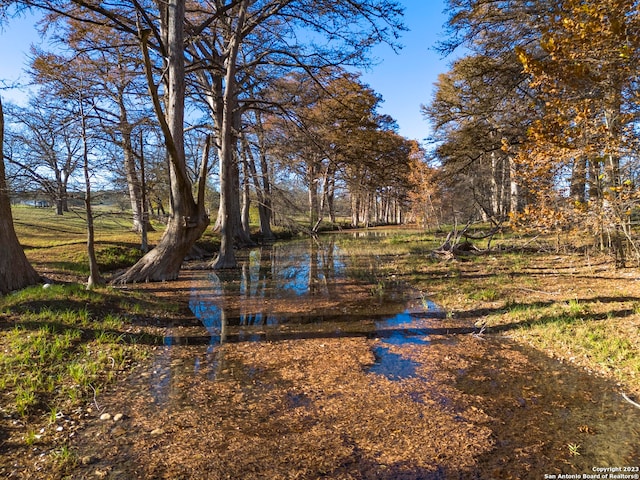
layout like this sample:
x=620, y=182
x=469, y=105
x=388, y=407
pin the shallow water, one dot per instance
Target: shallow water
x=538, y=408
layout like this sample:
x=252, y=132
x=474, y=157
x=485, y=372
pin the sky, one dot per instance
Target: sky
x=404, y=79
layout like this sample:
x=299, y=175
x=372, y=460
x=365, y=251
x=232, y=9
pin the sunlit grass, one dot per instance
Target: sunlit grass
x=515, y=292
x=578, y=330
x=58, y=242
x=65, y=343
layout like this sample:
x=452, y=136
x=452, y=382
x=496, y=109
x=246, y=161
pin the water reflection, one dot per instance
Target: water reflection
x=287, y=291
x=392, y=365
x=303, y=290
x=296, y=283
x=534, y=405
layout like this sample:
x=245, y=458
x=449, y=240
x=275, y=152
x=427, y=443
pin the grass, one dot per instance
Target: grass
x=574, y=449
x=62, y=345
x=59, y=344
x=57, y=243
x=545, y=300
x=64, y=458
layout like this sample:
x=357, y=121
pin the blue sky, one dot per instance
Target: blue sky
x=405, y=80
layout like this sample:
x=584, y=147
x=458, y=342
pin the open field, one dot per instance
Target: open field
x=56, y=245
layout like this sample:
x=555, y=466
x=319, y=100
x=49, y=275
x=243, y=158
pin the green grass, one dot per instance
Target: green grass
x=58, y=242
x=485, y=294
x=61, y=344
x=515, y=291
x=580, y=331
x=58, y=345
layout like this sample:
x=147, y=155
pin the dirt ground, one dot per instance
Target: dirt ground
x=444, y=403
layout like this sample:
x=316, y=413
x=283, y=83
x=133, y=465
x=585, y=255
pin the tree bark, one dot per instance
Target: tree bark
x=262, y=185
x=246, y=197
x=94, y=272
x=134, y=182
x=229, y=212
x=312, y=179
x=577, y=189
x=188, y=219
x=15, y=270
x=514, y=191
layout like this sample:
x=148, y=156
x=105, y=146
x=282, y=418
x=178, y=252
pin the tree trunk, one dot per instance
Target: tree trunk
x=15, y=270
x=246, y=198
x=94, y=271
x=59, y=209
x=577, y=189
x=495, y=190
x=229, y=212
x=145, y=224
x=331, y=188
x=514, y=197
x=355, y=209
x=188, y=219
x=262, y=186
x=312, y=179
x=328, y=188
x=134, y=182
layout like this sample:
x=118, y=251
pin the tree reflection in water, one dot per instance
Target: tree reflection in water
x=296, y=289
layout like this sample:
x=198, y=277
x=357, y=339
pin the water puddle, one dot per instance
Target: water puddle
x=536, y=408
x=392, y=365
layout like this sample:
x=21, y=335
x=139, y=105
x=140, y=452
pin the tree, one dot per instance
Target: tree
x=588, y=81
x=343, y=33
x=45, y=146
x=474, y=112
x=188, y=218
x=93, y=51
x=74, y=90
x=424, y=194
x=251, y=43
x=330, y=132
x=260, y=172
x=15, y=270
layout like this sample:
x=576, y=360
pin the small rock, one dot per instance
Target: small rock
x=118, y=431
x=87, y=459
x=46, y=285
x=101, y=473
x=105, y=416
x=157, y=431
x=117, y=417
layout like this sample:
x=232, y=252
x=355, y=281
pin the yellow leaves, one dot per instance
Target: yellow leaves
x=523, y=58
x=624, y=52
x=548, y=43
x=543, y=217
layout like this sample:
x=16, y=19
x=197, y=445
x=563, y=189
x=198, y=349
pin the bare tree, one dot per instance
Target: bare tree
x=46, y=147
x=119, y=97
x=249, y=34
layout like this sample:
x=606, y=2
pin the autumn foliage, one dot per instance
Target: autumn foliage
x=571, y=132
